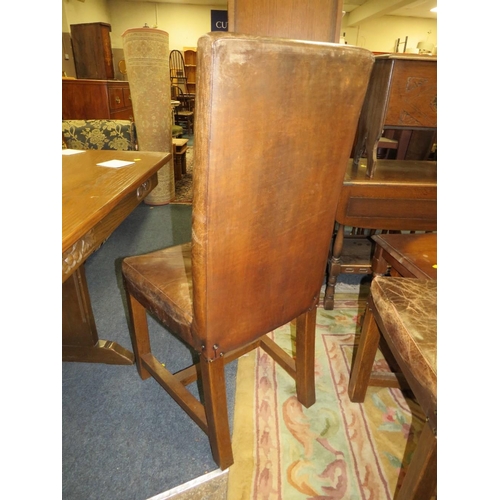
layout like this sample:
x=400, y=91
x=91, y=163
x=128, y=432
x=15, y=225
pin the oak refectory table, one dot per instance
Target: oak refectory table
x=95, y=200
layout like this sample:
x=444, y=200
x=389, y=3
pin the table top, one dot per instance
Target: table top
x=90, y=192
x=407, y=57
x=393, y=172
x=180, y=142
x=416, y=252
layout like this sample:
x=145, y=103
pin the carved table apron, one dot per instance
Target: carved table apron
x=95, y=200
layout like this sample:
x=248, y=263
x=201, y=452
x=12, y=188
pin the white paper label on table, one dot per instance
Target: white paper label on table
x=115, y=163
x=72, y=151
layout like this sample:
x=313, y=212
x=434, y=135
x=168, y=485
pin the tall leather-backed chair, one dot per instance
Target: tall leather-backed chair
x=404, y=312
x=263, y=214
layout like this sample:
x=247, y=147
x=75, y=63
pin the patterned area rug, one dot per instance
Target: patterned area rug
x=335, y=449
x=184, y=186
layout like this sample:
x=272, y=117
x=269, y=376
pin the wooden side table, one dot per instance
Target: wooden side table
x=408, y=255
x=179, y=150
x=402, y=196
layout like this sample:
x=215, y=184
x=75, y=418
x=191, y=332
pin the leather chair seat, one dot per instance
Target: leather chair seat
x=408, y=309
x=404, y=312
x=163, y=278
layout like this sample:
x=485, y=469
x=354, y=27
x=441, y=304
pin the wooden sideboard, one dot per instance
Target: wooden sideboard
x=96, y=99
x=401, y=95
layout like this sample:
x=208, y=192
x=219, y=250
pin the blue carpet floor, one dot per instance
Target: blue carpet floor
x=125, y=438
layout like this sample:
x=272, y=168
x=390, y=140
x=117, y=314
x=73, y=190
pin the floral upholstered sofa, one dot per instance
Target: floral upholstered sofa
x=118, y=135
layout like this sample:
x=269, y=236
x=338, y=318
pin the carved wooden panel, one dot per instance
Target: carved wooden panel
x=402, y=94
x=413, y=94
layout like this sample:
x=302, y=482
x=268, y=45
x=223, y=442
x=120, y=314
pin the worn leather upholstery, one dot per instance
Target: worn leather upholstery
x=404, y=312
x=263, y=208
x=163, y=279
x=408, y=309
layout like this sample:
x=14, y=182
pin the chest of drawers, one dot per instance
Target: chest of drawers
x=84, y=99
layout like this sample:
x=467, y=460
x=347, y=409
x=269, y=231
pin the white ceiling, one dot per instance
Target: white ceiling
x=376, y=8
x=366, y=9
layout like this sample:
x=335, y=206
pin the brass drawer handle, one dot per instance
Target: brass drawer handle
x=117, y=100
x=143, y=189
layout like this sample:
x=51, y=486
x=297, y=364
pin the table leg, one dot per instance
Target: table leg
x=79, y=334
x=379, y=263
x=334, y=268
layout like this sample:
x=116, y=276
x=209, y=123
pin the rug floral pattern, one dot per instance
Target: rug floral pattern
x=333, y=450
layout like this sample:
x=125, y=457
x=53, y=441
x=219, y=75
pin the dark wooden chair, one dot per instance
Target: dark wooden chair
x=404, y=312
x=262, y=216
x=184, y=111
x=177, y=69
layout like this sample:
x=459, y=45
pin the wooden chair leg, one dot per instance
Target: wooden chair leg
x=305, y=354
x=215, y=403
x=421, y=478
x=365, y=357
x=139, y=334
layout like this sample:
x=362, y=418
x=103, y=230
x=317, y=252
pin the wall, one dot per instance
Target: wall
x=183, y=23
x=381, y=34
x=89, y=11
x=76, y=12
x=186, y=23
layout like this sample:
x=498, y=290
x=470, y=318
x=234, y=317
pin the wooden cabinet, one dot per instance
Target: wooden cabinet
x=92, y=50
x=190, y=65
x=96, y=99
x=401, y=95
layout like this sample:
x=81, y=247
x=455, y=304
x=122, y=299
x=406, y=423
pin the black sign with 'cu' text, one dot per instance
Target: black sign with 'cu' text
x=219, y=20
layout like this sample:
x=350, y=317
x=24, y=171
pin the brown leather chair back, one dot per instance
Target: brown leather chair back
x=274, y=129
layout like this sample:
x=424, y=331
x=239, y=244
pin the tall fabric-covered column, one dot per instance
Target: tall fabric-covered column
x=146, y=53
